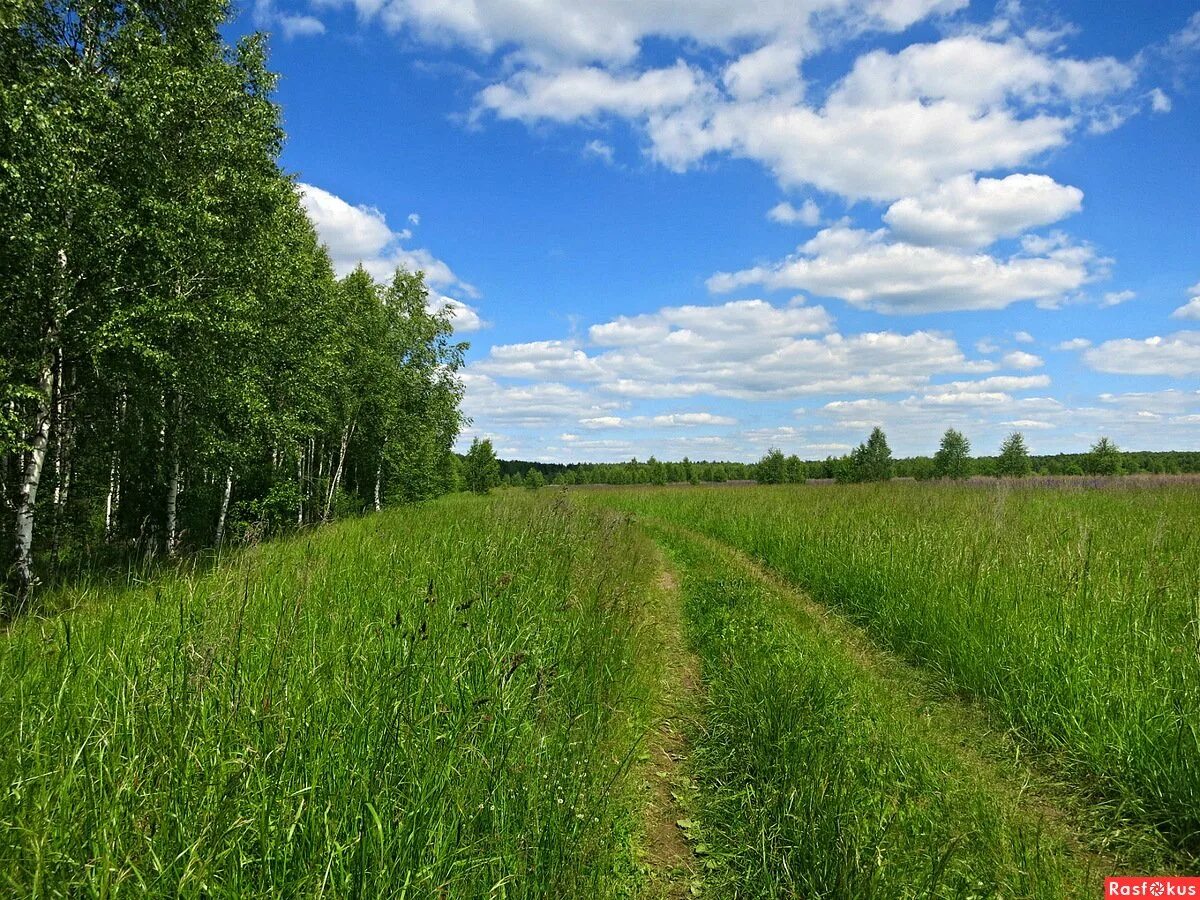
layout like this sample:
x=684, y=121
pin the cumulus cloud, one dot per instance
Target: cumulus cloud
x=597, y=149
x=1191, y=309
x=1074, y=344
x=584, y=93
x=526, y=405
x=612, y=31
x=808, y=213
x=666, y=420
x=872, y=271
x=746, y=349
x=464, y=317
x=1159, y=101
x=974, y=213
x=359, y=234
x=897, y=125
x=1176, y=355
x=268, y=17
x=1115, y=298
x=1019, y=359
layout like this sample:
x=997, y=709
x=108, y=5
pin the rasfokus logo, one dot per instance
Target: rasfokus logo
x=1152, y=886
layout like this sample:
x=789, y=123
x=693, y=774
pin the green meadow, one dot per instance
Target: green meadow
x=906, y=690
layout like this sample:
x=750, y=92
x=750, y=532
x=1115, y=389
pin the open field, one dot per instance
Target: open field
x=1070, y=615
x=837, y=692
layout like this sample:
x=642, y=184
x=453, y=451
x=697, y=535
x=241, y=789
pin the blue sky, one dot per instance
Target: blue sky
x=689, y=227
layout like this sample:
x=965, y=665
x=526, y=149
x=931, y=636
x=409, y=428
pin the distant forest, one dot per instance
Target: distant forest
x=652, y=471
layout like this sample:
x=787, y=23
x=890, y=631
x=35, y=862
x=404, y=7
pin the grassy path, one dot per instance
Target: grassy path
x=673, y=871
x=827, y=767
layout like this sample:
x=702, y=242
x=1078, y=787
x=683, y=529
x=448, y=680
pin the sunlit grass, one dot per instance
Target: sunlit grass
x=438, y=702
x=815, y=781
x=1072, y=613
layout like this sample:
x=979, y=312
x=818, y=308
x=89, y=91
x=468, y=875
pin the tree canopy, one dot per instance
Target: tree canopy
x=180, y=361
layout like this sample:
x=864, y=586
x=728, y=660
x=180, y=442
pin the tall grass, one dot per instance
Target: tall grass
x=1073, y=613
x=815, y=780
x=427, y=703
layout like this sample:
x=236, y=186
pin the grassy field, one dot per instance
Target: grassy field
x=441, y=702
x=1072, y=614
x=823, y=692
x=825, y=770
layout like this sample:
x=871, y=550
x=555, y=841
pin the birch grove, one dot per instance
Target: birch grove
x=179, y=365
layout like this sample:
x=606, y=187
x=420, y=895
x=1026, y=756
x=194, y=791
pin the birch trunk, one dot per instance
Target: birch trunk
x=173, y=488
x=31, y=477
x=172, y=543
x=224, y=506
x=300, y=487
x=378, y=487
x=337, y=475
x=111, y=501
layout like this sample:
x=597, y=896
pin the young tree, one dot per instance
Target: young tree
x=1014, y=459
x=794, y=470
x=534, y=479
x=1104, y=458
x=772, y=468
x=953, y=458
x=481, y=471
x=872, y=461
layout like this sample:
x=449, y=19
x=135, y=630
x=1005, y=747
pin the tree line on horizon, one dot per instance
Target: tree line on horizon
x=481, y=470
x=179, y=364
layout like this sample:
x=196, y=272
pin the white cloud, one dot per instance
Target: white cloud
x=267, y=16
x=979, y=74
x=698, y=325
x=525, y=405
x=585, y=93
x=465, y=318
x=1159, y=101
x=1074, y=344
x=1114, y=298
x=966, y=212
x=868, y=270
x=1019, y=359
x=897, y=125
x=667, y=420
x=746, y=349
x=768, y=69
x=1176, y=355
x=1023, y=337
x=785, y=214
x=600, y=150
x=1191, y=309
x=1000, y=383
x=614, y=30
x=360, y=234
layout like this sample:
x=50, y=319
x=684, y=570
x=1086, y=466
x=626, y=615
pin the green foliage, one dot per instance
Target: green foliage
x=1014, y=461
x=772, y=468
x=1104, y=458
x=169, y=311
x=871, y=461
x=775, y=468
x=481, y=472
x=534, y=480
x=953, y=458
